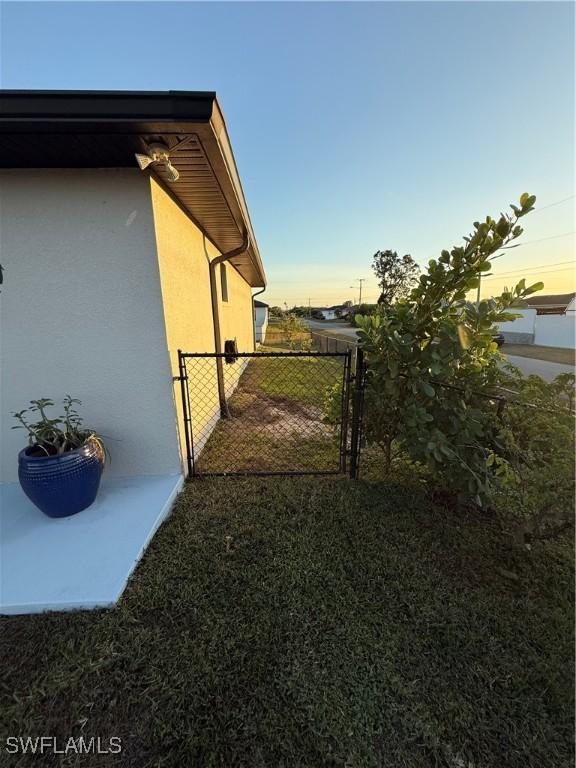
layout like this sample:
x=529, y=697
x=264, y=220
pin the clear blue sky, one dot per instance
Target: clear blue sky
x=356, y=126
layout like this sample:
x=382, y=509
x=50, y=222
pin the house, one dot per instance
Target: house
x=548, y=321
x=557, y=304
x=109, y=270
x=260, y=320
x=329, y=313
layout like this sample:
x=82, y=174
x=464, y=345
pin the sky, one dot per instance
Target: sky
x=356, y=127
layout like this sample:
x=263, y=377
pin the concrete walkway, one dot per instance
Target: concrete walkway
x=83, y=561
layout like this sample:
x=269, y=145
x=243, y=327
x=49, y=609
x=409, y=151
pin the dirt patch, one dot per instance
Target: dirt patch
x=278, y=415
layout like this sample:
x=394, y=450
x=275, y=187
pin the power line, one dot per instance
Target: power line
x=528, y=273
x=551, y=205
x=534, y=268
x=541, y=240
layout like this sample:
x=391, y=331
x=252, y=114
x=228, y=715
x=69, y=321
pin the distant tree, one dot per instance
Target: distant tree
x=396, y=275
x=276, y=312
x=299, y=311
x=294, y=329
x=362, y=310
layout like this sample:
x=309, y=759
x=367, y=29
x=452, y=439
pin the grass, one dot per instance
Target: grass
x=551, y=354
x=306, y=623
x=303, y=379
x=276, y=418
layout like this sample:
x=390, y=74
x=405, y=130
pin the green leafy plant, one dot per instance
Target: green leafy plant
x=360, y=311
x=53, y=437
x=293, y=330
x=536, y=448
x=433, y=367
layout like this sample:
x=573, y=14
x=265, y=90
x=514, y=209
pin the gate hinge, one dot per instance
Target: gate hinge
x=178, y=378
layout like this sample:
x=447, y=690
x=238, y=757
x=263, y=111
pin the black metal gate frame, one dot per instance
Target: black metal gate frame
x=351, y=377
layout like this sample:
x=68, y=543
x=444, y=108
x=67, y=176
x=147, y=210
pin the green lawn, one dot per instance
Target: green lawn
x=276, y=419
x=308, y=622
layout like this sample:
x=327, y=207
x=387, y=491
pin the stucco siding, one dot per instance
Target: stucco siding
x=184, y=255
x=261, y=323
x=82, y=311
x=556, y=330
x=236, y=319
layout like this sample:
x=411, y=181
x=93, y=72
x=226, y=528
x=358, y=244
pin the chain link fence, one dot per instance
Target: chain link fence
x=266, y=412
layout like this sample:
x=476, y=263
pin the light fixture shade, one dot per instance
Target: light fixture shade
x=143, y=161
x=173, y=174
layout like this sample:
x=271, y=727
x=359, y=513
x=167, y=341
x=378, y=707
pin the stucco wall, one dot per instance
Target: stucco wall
x=521, y=330
x=82, y=313
x=184, y=255
x=547, y=330
x=556, y=330
x=261, y=321
x=522, y=324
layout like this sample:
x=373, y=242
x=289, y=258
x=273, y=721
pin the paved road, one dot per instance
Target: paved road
x=342, y=329
x=548, y=371
x=543, y=368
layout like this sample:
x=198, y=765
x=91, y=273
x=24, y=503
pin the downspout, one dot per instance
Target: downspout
x=224, y=412
x=254, y=314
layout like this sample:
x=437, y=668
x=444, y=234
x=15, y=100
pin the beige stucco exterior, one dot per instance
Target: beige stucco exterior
x=105, y=279
x=81, y=312
x=184, y=255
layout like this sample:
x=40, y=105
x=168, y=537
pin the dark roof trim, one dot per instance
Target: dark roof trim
x=545, y=300
x=106, y=106
x=103, y=129
x=260, y=303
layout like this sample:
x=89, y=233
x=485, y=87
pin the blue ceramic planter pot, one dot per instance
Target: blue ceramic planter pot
x=62, y=485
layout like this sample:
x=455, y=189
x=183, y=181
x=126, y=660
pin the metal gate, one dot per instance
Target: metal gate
x=271, y=413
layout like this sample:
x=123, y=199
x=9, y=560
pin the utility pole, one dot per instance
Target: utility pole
x=360, y=280
x=309, y=308
x=480, y=278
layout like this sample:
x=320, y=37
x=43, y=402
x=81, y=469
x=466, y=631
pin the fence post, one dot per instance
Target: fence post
x=345, y=410
x=357, y=399
x=185, y=412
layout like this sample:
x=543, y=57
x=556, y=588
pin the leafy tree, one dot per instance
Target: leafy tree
x=433, y=366
x=299, y=311
x=294, y=330
x=396, y=275
x=276, y=312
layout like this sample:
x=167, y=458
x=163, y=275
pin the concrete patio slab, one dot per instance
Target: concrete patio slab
x=82, y=561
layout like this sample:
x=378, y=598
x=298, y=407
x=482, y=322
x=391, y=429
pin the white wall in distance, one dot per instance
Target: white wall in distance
x=261, y=320
x=81, y=312
x=556, y=330
x=523, y=324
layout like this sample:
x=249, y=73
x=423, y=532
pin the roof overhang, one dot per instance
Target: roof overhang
x=104, y=129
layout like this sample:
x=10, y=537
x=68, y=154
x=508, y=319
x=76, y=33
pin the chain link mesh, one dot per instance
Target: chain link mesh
x=282, y=413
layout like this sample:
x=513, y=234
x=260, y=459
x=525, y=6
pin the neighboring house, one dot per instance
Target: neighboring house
x=108, y=271
x=260, y=320
x=329, y=313
x=345, y=312
x=557, y=304
x=549, y=321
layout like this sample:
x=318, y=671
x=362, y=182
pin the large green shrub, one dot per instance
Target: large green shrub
x=536, y=437
x=433, y=365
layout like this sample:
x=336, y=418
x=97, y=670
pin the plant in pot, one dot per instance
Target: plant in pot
x=60, y=470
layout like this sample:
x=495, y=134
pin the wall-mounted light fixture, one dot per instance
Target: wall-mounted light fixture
x=158, y=154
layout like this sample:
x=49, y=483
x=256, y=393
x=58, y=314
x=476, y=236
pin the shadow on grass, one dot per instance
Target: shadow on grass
x=310, y=622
